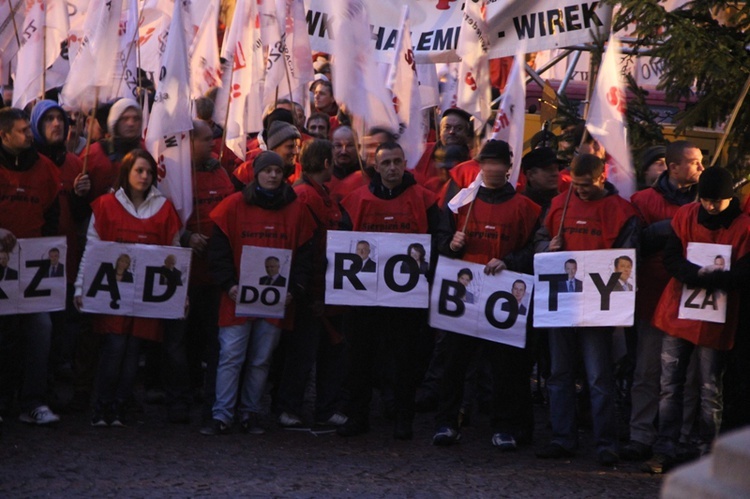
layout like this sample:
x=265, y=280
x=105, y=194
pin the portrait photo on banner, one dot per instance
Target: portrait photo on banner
x=698, y=303
x=377, y=269
x=264, y=281
x=465, y=300
x=32, y=276
x=585, y=288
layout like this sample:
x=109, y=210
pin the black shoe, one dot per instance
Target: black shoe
x=352, y=428
x=215, y=427
x=178, y=414
x=658, y=464
x=635, y=451
x=252, y=425
x=607, y=457
x=553, y=451
x=402, y=430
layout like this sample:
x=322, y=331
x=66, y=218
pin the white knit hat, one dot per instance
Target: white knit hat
x=116, y=111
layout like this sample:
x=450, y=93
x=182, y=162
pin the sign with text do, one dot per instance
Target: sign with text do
x=264, y=281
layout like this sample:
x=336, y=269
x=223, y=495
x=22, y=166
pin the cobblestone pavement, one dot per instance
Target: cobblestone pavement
x=152, y=458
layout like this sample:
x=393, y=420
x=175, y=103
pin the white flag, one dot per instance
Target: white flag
x=125, y=82
x=205, y=66
x=356, y=78
x=511, y=116
x=474, y=94
x=153, y=25
x=242, y=86
x=94, y=65
x=404, y=83
x=429, y=86
x=30, y=66
x=167, y=138
x=466, y=195
x=606, y=121
x=301, y=71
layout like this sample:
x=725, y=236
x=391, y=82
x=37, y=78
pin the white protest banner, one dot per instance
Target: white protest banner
x=379, y=269
x=465, y=300
x=584, y=288
x=140, y=280
x=545, y=24
x=697, y=303
x=32, y=276
x=264, y=281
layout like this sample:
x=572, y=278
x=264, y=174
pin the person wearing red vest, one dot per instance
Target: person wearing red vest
x=345, y=159
x=456, y=127
x=656, y=206
x=257, y=216
x=413, y=209
x=135, y=213
x=596, y=218
x=716, y=219
x=29, y=185
x=499, y=231
x=315, y=340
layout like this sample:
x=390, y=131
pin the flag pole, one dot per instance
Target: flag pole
x=88, y=135
x=226, y=114
x=468, y=214
x=730, y=123
x=44, y=55
x=15, y=26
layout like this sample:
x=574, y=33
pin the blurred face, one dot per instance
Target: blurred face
x=518, y=290
x=318, y=128
x=494, y=172
x=689, y=169
x=123, y=263
x=141, y=177
x=203, y=143
x=19, y=137
x=625, y=268
x=271, y=177
x=272, y=266
x=288, y=151
x=372, y=142
x=54, y=257
x=571, y=269
x=4, y=259
x=363, y=250
x=464, y=279
x=544, y=179
x=344, y=149
x=299, y=114
x=715, y=206
x=593, y=147
x=53, y=126
x=587, y=187
x=454, y=130
x=654, y=170
x=391, y=166
x=719, y=261
x=415, y=254
x=169, y=262
x=322, y=97
x=129, y=125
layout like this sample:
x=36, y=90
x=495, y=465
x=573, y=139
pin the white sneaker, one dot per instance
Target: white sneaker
x=289, y=420
x=42, y=415
x=337, y=419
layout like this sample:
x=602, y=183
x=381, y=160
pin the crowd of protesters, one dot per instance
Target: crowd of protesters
x=302, y=178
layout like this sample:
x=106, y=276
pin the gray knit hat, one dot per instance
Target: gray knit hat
x=279, y=133
x=265, y=160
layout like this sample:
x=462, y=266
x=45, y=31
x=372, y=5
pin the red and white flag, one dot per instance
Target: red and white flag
x=44, y=28
x=168, y=135
x=239, y=103
x=606, y=121
x=466, y=195
x=474, y=95
x=510, y=120
x=403, y=81
x=205, y=65
x=126, y=71
x=94, y=66
x=357, y=81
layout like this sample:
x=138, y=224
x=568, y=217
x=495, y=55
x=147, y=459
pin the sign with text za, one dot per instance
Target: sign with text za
x=139, y=280
x=32, y=276
x=378, y=269
x=465, y=300
x=584, y=288
x=264, y=281
x=701, y=304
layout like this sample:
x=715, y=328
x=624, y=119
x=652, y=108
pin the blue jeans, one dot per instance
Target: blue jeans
x=675, y=357
x=645, y=391
x=118, y=368
x=254, y=342
x=595, y=346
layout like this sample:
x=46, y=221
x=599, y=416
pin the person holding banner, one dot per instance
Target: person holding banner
x=265, y=214
x=590, y=216
x=495, y=229
x=717, y=219
x=29, y=185
x=412, y=209
x=135, y=213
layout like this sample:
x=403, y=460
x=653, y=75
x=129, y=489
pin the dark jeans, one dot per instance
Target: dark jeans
x=203, y=341
x=118, y=367
x=512, y=410
x=398, y=329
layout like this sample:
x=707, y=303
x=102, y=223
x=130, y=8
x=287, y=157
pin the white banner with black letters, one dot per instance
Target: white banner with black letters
x=698, y=303
x=139, y=280
x=32, y=276
x=465, y=300
x=584, y=288
x=380, y=269
x=264, y=281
